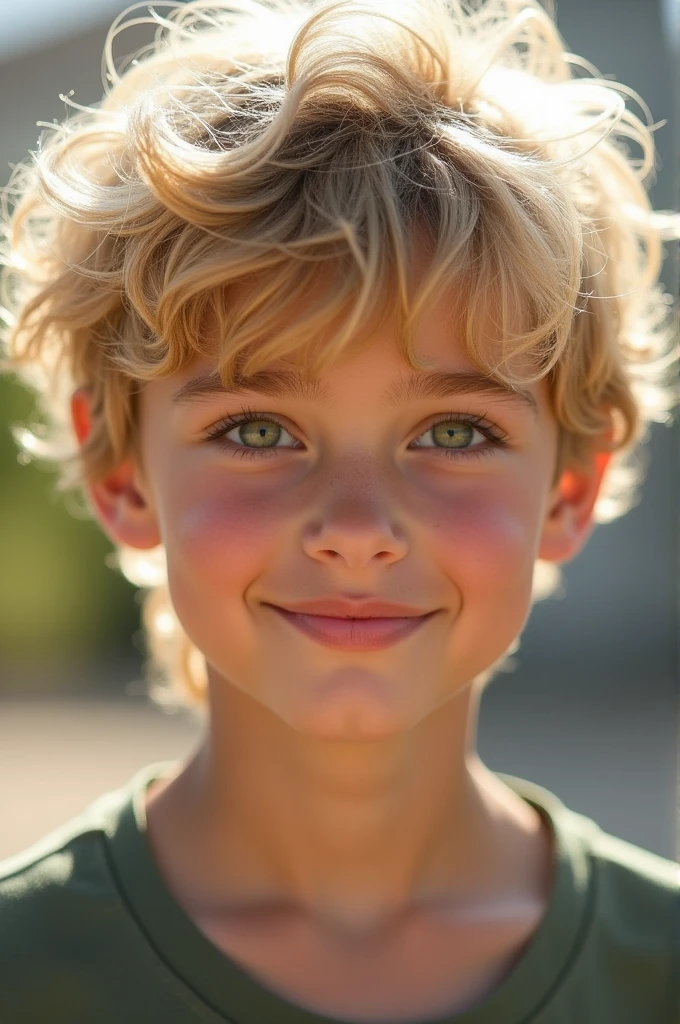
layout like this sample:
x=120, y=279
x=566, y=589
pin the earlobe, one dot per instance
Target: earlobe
x=120, y=500
x=123, y=509
x=80, y=413
x=569, y=519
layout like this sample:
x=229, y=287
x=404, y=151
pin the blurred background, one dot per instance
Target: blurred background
x=592, y=709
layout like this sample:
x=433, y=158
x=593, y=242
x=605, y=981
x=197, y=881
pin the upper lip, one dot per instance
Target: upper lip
x=352, y=608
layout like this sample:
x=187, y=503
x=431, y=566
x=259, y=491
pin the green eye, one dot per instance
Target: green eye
x=453, y=435
x=260, y=432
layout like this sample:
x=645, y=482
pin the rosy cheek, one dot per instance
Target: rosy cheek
x=219, y=541
x=219, y=529
x=484, y=534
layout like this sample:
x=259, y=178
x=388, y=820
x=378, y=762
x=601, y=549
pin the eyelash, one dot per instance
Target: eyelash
x=497, y=437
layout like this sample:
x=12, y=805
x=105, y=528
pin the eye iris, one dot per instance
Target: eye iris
x=254, y=431
x=460, y=434
x=449, y=433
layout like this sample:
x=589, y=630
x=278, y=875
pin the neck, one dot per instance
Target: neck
x=351, y=833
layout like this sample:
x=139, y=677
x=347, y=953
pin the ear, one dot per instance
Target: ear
x=122, y=499
x=568, y=522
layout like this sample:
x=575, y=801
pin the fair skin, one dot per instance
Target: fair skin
x=335, y=830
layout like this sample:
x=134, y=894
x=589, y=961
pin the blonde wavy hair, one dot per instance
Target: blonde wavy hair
x=296, y=147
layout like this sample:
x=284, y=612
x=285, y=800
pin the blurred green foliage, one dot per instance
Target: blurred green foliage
x=61, y=606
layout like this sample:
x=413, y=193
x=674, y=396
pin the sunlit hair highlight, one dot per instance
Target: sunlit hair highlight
x=262, y=157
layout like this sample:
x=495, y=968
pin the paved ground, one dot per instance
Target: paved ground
x=56, y=755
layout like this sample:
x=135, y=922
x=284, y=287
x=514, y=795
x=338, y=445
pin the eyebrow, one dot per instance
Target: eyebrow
x=413, y=387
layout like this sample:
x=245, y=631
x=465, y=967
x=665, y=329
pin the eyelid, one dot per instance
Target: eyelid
x=479, y=421
x=245, y=414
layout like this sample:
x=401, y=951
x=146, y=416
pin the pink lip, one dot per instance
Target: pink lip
x=354, y=634
x=341, y=606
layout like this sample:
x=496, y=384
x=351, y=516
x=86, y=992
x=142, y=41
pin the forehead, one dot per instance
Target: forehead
x=376, y=373
x=438, y=332
x=371, y=363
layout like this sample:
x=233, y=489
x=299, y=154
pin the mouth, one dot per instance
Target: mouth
x=359, y=634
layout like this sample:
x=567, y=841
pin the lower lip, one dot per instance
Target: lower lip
x=354, y=634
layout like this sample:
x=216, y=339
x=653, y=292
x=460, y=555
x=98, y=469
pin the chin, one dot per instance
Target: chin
x=356, y=712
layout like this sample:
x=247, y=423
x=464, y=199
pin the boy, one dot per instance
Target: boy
x=347, y=312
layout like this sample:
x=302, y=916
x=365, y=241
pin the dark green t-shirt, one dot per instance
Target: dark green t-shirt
x=90, y=934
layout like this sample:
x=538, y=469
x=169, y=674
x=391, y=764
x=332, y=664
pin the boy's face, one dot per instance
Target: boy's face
x=350, y=506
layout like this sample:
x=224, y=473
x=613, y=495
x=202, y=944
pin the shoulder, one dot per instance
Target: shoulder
x=625, y=874
x=633, y=893
x=632, y=925
x=614, y=917
x=636, y=887
x=624, y=868
x=52, y=888
x=66, y=864
x=61, y=923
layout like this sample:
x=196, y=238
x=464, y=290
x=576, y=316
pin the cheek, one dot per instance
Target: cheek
x=484, y=540
x=485, y=530
x=222, y=533
x=219, y=539
x=219, y=533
